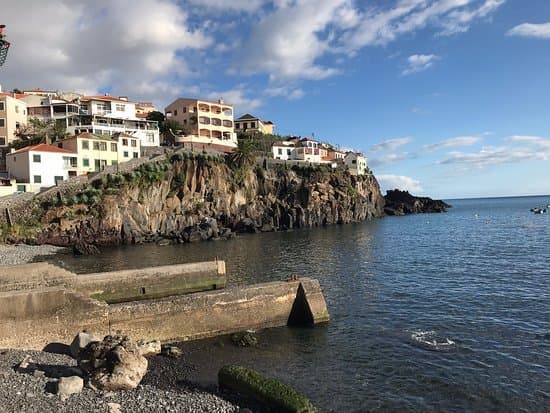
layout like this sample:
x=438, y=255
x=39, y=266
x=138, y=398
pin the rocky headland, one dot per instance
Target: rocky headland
x=403, y=203
x=185, y=197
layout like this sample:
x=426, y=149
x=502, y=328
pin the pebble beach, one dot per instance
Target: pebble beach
x=22, y=254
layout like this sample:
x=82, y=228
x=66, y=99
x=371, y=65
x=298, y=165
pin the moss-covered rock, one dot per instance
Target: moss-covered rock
x=275, y=395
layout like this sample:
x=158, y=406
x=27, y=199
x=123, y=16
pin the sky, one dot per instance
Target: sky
x=446, y=98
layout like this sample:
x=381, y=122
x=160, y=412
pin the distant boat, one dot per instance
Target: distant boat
x=538, y=210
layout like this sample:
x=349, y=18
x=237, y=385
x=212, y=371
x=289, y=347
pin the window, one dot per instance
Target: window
x=2, y=141
x=96, y=146
x=136, y=155
x=252, y=124
x=57, y=179
x=103, y=146
x=354, y=161
x=85, y=145
x=37, y=179
x=150, y=137
x=85, y=162
x=113, y=147
x=175, y=113
x=2, y=123
x=114, y=162
x=36, y=158
x=237, y=126
x=124, y=142
x=288, y=152
x=184, y=110
x=16, y=109
x=120, y=107
x=2, y=106
x=125, y=154
x=280, y=151
x=134, y=143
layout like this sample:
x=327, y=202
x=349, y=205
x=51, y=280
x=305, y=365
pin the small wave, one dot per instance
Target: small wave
x=429, y=340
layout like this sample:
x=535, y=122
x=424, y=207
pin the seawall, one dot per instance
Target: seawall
x=39, y=311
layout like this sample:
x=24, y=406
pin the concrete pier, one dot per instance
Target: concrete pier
x=46, y=306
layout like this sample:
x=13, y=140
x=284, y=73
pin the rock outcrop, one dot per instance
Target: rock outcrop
x=193, y=198
x=402, y=203
x=115, y=363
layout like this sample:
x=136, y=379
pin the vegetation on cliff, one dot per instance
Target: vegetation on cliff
x=187, y=196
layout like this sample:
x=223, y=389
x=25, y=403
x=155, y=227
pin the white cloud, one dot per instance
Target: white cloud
x=418, y=63
x=459, y=21
x=534, y=140
x=287, y=43
x=452, y=143
x=235, y=5
x=404, y=183
x=237, y=98
x=489, y=156
x=539, y=31
x=390, y=144
x=286, y=91
x=96, y=45
x=391, y=158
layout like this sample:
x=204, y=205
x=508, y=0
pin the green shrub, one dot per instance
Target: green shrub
x=277, y=396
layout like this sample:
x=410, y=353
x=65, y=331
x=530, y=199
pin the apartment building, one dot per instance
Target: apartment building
x=208, y=122
x=41, y=165
x=107, y=115
x=95, y=152
x=250, y=123
x=13, y=115
x=47, y=108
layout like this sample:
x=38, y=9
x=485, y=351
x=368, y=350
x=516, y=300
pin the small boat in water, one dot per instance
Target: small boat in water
x=538, y=210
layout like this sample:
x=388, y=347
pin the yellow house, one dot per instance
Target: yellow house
x=13, y=115
x=249, y=123
x=95, y=152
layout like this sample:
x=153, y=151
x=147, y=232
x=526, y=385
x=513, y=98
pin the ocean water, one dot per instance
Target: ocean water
x=429, y=313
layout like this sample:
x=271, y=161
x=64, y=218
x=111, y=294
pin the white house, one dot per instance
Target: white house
x=41, y=165
x=305, y=150
x=107, y=115
x=356, y=163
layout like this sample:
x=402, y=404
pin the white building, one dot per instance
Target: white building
x=305, y=150
x=356, y=163
x=41, y=165
x=46, y=108
x=107, y=115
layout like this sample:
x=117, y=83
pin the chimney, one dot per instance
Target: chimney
x=220, y=101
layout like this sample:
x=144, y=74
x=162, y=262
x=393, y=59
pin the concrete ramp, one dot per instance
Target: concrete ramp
x=55, y=306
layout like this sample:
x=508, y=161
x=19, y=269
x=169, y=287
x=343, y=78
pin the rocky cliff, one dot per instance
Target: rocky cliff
x=402, y=202
x=198, y=197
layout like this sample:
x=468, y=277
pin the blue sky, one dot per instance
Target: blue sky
x=447, y=98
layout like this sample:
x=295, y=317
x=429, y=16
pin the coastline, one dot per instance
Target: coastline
x=23, y=253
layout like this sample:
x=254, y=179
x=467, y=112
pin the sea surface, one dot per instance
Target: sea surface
x=429, y=313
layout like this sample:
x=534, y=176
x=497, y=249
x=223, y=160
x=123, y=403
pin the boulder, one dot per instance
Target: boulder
x=81, y=340
x=81, y=247
x=115, y=363
x=69, y=385
x=150, y=348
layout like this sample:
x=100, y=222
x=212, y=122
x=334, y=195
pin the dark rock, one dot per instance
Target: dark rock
x=82, y=247
x=402, y=202
x=244, y=339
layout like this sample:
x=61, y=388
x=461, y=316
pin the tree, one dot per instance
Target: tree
x=156, y=116
x=39, y=131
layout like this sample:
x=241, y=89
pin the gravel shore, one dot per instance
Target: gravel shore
x=165, y=388
x=21, y=253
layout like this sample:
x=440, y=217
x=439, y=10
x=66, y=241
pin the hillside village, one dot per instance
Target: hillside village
x=47, y=137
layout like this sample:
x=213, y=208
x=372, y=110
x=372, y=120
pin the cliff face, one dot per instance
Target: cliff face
x=200, y=199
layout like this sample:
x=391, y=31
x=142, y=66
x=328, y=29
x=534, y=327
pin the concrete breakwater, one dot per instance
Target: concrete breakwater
x=41, y=303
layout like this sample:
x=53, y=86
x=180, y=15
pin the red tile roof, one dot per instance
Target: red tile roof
x=42, y=147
